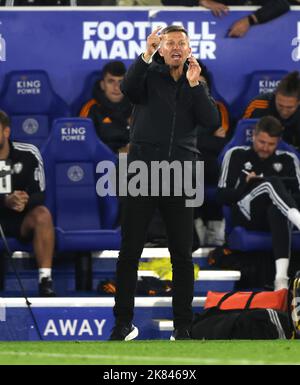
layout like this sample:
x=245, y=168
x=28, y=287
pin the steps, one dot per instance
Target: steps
x=88, y=315
x=82, y=319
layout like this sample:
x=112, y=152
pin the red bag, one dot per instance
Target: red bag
x=276, y=300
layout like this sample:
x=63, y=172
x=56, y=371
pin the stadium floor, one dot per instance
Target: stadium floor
x=279, y=352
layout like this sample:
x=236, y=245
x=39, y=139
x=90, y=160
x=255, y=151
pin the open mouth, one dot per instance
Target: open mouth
x=176, y=56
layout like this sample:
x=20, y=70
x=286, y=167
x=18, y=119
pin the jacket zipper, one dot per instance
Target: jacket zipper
x=172, y=135
x=173, y=128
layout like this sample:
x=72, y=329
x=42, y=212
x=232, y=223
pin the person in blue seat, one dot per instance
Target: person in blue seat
x=109, y=109
x=270, y=10
x=261, y=184
x=283, y=104
x=169, y=103
x=22, y=211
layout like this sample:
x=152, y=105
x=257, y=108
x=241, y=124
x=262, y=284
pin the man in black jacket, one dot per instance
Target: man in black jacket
x=283, y=104
x=109, y=109
x=23, y=214
x=270, y=10
x=260, y=183
x=169, y=104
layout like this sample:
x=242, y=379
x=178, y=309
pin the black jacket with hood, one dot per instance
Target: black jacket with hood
x=111, y=120
x=166, y=112
x=264, y=105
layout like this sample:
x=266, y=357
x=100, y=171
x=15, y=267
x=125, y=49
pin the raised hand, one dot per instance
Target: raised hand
x=218, y=9
x=153, y=43
x=239, y=28
x=193, y=72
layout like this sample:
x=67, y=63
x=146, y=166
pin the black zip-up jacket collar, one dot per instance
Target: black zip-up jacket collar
x=166, y=112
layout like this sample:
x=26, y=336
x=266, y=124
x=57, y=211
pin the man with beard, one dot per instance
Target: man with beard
x=283, y=104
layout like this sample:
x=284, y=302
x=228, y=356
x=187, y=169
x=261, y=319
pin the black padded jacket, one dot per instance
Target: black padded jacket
x=166, y=113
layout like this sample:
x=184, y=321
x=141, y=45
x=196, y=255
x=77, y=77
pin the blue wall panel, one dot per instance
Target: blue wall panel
x=69, y=44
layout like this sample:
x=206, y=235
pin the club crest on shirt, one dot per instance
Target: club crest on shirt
x=17, y=168
x=248, y=166
x=277, y=167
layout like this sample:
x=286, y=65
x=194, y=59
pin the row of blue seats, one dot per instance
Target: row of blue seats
x=85, y=221
x=72, y=143
x=32, y=103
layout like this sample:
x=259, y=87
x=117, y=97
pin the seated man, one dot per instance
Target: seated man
x=283, y=104
x=255, y=181
x=23, y=214
x=110, y=110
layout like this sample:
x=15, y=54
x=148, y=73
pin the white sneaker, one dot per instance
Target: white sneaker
x=215, y=233
x=281, y=283
x=294, y=217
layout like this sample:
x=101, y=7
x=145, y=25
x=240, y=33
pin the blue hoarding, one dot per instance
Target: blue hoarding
x=70, y=44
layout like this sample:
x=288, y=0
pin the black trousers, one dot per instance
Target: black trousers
x=136, y=215
x=268, y=209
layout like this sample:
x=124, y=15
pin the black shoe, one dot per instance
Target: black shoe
x=180, y=334
x=46, y=288
x=124, y=333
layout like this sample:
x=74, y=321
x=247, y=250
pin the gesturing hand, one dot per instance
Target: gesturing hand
x=193, y=72
x=153, y=43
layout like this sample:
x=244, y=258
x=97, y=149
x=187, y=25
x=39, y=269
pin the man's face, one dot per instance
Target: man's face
x=175, y=48
x=264, y=144
x=286, y=105
x=111, y=87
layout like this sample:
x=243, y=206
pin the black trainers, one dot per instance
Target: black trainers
x=180, y=334
x=124, y=333
x=46, y=288
x=295, y=311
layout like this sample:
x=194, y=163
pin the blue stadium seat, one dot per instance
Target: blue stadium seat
x=84, y=221
x=29, y=99
x=15, y=245
x=215, y=93
x=86, y=93
x=239, y=238
x=258, y=82
x=242, y=136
